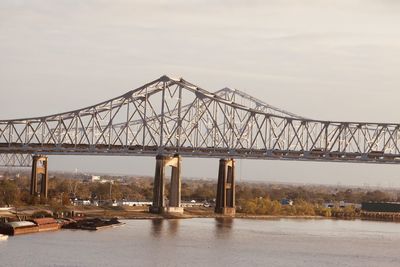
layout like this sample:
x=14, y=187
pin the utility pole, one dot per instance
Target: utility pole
x=110, y=190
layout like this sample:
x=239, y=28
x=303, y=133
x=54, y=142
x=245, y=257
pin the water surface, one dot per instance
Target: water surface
x=212, y=242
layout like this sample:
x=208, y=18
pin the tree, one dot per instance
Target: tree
x=9, y=193
x=376, y=196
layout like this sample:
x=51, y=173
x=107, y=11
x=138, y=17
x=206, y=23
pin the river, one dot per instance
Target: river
x=212, y=242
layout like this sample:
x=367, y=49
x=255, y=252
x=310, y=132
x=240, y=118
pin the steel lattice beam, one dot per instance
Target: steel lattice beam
x=15, y=160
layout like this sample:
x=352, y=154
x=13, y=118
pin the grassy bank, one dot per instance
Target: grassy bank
x=266, y=206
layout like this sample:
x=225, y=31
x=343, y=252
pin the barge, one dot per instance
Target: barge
x=50, y=224
x=28, y=227
x=47, y=224
x=17, y=228
x=93, y=224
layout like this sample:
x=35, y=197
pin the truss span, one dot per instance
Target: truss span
x=252, y=102
x=15, y=160
x=169, y=116
x=226, y=93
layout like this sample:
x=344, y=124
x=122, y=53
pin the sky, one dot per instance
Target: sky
x=330, y=60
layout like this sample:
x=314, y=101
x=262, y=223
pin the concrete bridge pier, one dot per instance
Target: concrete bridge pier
x=159, y=202
x=225, y=201
x=39, y=173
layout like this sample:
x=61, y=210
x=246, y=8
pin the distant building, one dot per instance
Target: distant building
x=341, y=204
x=91, y=178
x=95, y=178
x=329, y=205
x=81, y=202
x=192, y=203
x=132, y=203
x=381, y=206
x=104, y=181
x=286, y=202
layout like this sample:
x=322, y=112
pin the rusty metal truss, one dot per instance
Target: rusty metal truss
x=169, y=116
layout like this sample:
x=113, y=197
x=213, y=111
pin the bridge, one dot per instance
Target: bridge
x=173, y=118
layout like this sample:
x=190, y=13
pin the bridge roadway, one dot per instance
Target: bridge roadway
x=113, y=150
x=170, y=118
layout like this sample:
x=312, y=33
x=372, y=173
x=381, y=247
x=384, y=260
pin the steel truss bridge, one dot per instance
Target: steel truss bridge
x=173, y=116
x=170, y=118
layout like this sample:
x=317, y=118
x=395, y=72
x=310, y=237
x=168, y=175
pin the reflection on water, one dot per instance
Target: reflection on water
x=224, y=223
x=157, y=227
x=212, y=242
x=223, y=227
x=173, y=226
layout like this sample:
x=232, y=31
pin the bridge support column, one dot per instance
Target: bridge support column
x=39, y=171
x=225, y=201
x=174, y=203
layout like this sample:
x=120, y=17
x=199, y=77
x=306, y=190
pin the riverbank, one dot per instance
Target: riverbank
x=142, y=213
x=137, y=213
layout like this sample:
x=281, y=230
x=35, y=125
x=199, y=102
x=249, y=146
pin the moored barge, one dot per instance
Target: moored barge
x=27, y=227
x=17, y=228
x=47, y=224
x=94, y=224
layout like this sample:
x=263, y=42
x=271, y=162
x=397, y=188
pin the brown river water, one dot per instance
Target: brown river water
x=212, y=242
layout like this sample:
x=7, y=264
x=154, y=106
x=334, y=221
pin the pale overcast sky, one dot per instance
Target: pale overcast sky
x=337, y=60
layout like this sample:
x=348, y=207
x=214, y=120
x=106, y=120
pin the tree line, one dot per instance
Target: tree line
x=257, y=198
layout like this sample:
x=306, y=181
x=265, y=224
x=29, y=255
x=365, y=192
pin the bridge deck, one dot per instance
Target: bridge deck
x=108, y=150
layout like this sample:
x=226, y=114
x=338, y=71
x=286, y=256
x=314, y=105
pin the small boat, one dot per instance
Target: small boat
x=3, y=237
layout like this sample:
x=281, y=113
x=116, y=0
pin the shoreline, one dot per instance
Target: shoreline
x=190, y=213
x=245, y=217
